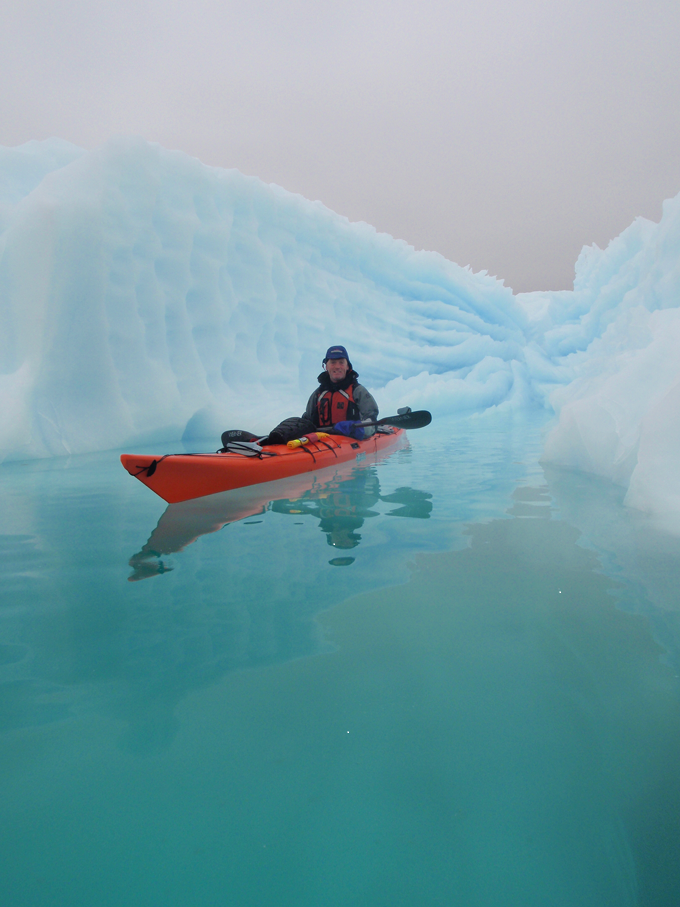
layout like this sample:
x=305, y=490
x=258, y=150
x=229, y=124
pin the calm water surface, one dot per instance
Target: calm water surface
x=448, y=677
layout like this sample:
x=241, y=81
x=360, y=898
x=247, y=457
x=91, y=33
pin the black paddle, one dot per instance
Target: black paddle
x=419, y=419
x=405, y=419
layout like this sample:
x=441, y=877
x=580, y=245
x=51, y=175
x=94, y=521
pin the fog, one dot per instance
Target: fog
x=503, y=135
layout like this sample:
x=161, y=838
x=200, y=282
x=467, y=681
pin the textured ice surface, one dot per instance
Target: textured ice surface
x=617, y=335
x=148, y=298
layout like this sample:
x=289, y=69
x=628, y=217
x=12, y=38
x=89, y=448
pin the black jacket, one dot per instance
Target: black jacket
x=368, y=408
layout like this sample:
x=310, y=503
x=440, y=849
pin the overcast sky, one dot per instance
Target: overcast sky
x=505, y=134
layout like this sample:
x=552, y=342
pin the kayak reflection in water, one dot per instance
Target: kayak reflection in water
x=341, y=509
x=341, y=499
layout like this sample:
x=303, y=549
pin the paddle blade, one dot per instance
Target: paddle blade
x=419, y=419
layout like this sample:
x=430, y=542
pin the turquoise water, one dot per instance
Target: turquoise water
x=450, y=677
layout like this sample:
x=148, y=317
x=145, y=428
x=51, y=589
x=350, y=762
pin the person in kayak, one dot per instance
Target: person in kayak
x=340, y=399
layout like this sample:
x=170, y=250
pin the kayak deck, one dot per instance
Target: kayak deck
x=182, y=477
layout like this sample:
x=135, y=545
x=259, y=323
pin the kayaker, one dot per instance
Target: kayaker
x=340, y=398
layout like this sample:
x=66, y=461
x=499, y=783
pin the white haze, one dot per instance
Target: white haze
x=504, y=134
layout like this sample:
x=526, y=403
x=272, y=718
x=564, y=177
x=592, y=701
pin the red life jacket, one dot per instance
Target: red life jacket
x=336, y=406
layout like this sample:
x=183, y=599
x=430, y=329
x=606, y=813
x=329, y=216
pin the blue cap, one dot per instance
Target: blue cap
x=336, y=352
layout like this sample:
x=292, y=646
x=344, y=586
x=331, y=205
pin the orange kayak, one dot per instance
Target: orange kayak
x=182, y=477
x=183, y=523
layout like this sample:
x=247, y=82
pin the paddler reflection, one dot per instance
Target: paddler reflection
x=341, y=499
x=341, y=509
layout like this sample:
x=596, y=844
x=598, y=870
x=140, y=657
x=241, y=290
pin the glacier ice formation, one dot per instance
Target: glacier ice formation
x=146, y=297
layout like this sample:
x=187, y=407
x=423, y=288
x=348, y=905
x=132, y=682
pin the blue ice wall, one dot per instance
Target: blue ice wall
x=147, y=298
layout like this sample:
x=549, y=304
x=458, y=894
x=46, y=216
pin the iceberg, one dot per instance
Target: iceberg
x=148, y=298
x=617, y=336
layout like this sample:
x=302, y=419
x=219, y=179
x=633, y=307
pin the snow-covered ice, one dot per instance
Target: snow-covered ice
x=146, y=297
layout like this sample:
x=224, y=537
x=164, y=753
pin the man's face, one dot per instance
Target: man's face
x=337, y=369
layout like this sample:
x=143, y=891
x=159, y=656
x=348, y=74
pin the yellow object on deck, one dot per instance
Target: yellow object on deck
x=315, y=436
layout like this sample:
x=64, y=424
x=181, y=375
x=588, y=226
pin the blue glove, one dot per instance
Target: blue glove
x=351, y=429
